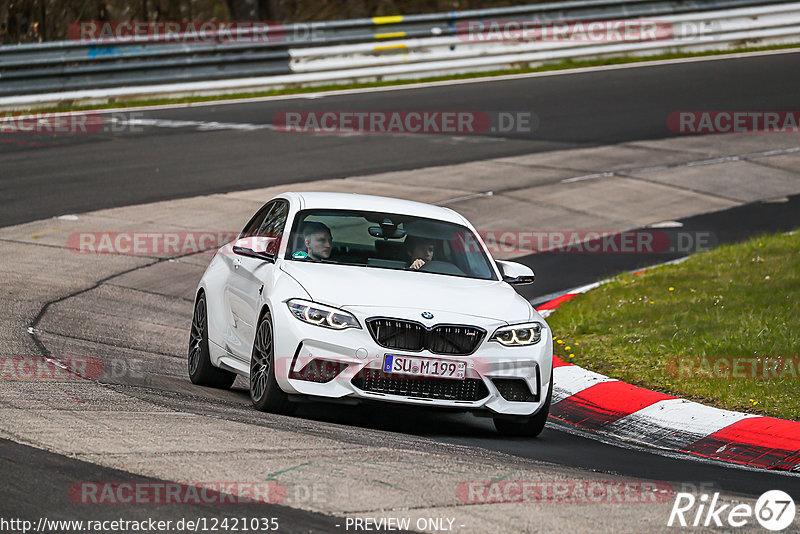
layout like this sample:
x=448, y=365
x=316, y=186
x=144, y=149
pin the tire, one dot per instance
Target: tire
x=534, y=424
x=266, y=394
x=201, y=371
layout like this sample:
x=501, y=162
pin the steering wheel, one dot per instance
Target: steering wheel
x=441, y=267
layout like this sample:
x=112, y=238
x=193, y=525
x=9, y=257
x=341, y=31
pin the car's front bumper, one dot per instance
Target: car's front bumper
x=298, y=344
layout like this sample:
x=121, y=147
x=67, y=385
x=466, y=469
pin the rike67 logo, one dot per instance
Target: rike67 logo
x=774, y=510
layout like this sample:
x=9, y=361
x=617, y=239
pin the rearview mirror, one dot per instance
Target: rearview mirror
x=386, y=232
x=259, y=247
x=515, y=273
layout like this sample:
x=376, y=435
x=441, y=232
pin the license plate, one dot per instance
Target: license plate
x=424, y=367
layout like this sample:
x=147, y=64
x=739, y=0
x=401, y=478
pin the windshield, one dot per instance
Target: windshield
x=388, y=241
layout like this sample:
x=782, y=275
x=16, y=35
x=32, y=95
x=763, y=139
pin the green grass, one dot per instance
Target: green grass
x=562, y=65
x=680, y=328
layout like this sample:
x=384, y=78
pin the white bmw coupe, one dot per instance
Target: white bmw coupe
x=336, y=296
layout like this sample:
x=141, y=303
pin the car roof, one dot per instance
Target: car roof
x=356, y=201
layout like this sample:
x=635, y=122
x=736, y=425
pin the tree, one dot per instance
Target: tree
x=244, y=10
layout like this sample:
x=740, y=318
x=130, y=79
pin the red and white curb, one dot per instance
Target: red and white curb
x=598, y=404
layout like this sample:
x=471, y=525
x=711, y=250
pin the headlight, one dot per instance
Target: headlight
x=518, y=334
x=321, y=315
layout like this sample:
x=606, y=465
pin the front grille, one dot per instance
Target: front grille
x=412, y=336
x=514, y=389
x=376, y=381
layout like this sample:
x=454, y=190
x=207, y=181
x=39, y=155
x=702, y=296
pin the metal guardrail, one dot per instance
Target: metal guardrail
x=377, y=48
x=695, y=31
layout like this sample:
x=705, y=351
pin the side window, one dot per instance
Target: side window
x=269, y=221
x=275, y=221
x=255, y=223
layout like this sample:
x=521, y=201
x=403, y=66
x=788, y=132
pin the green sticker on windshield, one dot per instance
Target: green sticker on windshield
x=300, y=255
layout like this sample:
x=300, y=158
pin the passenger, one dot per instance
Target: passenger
x=420, y=251
x=318, y=240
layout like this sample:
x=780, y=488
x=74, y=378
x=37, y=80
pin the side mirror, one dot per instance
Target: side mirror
x=259, y=247
x=515, y=273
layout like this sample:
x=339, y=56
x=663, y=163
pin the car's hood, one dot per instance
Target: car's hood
x=344, y=285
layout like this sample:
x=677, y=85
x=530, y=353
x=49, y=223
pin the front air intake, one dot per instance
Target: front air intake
x=514, y=390
x=377, y=381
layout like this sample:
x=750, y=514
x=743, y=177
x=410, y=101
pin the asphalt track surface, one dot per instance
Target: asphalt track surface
x=43, y=176
x=33, y=476
x=557, y=271
x=67, y=174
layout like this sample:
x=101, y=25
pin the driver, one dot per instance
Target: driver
x=318, y=240
x=419, y=250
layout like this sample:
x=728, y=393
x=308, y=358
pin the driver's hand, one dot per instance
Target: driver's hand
x=417, y=264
